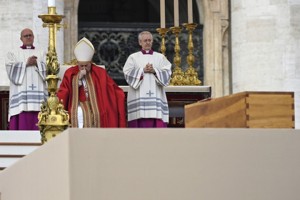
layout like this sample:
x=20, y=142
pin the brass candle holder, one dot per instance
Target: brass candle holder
x=162, y=32
x=177, y=74
x=190, y=75
x=53, y=119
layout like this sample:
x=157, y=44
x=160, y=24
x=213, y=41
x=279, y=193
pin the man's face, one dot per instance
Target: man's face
x=84, y=66
x=146, y=41
x=27, y=37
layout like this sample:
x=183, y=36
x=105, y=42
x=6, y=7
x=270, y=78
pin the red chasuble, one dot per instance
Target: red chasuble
x=109, y=97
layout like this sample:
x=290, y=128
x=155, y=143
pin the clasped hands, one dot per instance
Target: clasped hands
x=31, y=61
x=149, y=68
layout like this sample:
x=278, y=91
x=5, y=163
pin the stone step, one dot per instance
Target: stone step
x=14, y=145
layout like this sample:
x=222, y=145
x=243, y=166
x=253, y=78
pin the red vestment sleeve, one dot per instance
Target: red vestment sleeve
x=110, y=97
x=65, y=90
x=116, y=102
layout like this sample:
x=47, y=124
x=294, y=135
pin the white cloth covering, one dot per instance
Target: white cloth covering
x=27, y=84
x=80, y=117
x=146, y=96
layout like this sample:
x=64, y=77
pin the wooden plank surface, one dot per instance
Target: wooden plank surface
x=246, y=109
x=270, y=110
x=271, y=99
x=271, y=123
x=226, y=112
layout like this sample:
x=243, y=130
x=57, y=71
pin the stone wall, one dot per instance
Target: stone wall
x=266, y=47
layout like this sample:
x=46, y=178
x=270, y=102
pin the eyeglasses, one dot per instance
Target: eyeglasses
x=27, y=36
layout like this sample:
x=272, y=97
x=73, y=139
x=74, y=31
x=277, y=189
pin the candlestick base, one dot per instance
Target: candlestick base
x=177, y=77
x=191, y=77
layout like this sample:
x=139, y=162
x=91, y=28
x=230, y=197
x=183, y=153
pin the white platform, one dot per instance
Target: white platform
x=166, y=164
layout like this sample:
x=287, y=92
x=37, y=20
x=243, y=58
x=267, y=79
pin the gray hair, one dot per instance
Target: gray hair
x=144, y=33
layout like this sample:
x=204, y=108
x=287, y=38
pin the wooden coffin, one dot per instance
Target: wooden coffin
x=243, y=110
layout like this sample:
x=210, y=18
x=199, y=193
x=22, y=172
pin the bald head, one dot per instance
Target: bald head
x=27, y=37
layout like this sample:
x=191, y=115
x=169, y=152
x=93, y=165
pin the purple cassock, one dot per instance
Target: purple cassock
x=147, y=123
x=24, y=121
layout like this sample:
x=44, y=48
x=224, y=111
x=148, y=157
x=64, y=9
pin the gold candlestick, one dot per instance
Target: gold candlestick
x=53, y=119
x=191, y=76
x=162, y=32
x=177, y=74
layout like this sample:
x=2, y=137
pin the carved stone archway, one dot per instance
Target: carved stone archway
x=214, y=15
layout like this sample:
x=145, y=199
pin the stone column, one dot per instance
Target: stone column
x=215, y=43
x=71, y=33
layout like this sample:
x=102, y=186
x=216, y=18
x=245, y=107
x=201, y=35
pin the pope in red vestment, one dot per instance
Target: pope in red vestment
x=90, y=88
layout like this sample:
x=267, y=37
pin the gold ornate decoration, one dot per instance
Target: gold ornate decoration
x=162, y=32
x=177, y=74
x=190, y=75
x=53, y=119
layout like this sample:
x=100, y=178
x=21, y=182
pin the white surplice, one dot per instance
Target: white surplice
x=27, y=84
x=146, y=96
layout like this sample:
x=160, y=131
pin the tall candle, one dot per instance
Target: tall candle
x=51, y=3
x=162, y=14
x=190, y=11
x=176, y=13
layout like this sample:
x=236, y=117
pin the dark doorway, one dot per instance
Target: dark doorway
x=113, y=25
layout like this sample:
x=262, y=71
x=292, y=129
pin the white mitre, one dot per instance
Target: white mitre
x=84, y=50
